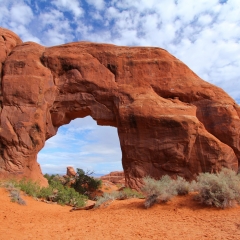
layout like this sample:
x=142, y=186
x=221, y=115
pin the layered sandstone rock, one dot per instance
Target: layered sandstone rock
x=115, y=177
x=169, y=120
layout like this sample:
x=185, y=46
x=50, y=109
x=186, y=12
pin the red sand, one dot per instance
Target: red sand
x=182, y=218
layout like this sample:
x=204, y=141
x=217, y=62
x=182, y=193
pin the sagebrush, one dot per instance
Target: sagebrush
x=221, y=189
x=126, y=193
x=14, y=193
x=164, y=189
x=158, y=190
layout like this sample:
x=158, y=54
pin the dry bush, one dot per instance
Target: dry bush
x=14, y=192
x=16, y=196
x=182, y=186
x=164, y=189
x=108, y=198
x=221, y=190
x=158, y=190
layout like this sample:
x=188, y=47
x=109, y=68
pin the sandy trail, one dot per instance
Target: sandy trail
x=181, y=218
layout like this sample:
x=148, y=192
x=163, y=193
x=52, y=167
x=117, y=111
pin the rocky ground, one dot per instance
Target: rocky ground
x=182, y=218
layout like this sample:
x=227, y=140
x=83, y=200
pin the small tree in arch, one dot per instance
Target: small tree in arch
x=84, y=183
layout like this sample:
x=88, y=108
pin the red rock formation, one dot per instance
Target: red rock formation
x=115, y=177
x=71, y=172
x=169, y=120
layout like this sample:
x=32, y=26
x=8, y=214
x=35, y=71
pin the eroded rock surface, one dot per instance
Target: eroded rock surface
x=169, y=120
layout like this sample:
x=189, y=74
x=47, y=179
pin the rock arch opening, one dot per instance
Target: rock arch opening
x=82, y=144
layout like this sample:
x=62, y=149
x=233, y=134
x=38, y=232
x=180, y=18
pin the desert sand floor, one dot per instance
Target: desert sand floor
x=181, y=218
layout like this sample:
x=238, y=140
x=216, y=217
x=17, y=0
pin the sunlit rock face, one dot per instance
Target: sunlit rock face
x=169, y=120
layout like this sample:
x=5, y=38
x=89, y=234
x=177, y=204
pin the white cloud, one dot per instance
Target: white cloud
x=4, y=14
x=53, y=17
x=98, y=4
x=21, y=13
x=54, y=37
x=111, y=12
x=66, y=5
x=81, y=124
x=16, y=16
x=205, y=19
x=56, y=28
x=25, y=34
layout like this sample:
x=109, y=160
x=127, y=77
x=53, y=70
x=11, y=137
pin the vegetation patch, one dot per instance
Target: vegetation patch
x=64, y=195
x=158, y=190
x=220, y=190
x=72, y=191
x=55, y=192
x=14, y=193
x=108, y=198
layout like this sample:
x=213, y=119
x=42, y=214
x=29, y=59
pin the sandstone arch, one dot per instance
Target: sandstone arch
x=169, y=120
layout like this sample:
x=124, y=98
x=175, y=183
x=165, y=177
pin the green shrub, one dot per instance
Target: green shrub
x=158, y=190
x=63, y=195
x=221, y=190
x=29, y=187
x=46, y=193
x=50, y=177
x=84, y=183
x=69, y=196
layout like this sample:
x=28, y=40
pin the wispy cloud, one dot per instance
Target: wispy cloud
x=73, y=7
x=98, y=4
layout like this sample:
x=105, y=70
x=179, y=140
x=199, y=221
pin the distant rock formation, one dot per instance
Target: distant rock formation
x=169, y=120
x=71, y=172
x=115, y=177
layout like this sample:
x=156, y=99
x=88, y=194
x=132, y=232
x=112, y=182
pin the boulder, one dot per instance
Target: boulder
x=169, y=120
x=71, y=172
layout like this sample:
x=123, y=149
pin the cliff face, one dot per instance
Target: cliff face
x=169, y=120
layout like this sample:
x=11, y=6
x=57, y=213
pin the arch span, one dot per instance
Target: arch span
x=169, y=120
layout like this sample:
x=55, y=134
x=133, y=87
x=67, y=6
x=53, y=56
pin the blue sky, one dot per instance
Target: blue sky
x=204, y=34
